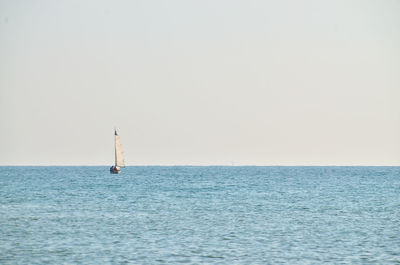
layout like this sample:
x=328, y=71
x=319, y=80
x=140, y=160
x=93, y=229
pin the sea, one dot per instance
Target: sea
x=200, y=215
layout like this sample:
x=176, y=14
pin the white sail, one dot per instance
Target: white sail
x=119, y=156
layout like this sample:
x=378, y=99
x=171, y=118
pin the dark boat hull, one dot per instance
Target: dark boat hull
x=115, y=170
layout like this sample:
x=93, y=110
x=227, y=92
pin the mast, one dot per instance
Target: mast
x=115, y=146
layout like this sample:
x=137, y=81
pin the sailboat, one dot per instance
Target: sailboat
x=119, y=156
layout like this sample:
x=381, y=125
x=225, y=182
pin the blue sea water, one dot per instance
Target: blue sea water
x=200, y=215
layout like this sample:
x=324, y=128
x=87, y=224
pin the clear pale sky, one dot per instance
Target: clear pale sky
x=208, y=82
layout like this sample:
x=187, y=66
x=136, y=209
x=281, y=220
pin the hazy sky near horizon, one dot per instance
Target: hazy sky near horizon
x=200, y=82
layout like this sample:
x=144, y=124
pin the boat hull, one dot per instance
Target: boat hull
x=115, y=170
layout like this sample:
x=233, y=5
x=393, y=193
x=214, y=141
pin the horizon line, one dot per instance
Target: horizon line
x=208, y=165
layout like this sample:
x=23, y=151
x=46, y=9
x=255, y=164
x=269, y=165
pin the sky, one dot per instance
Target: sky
x=211, y=82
